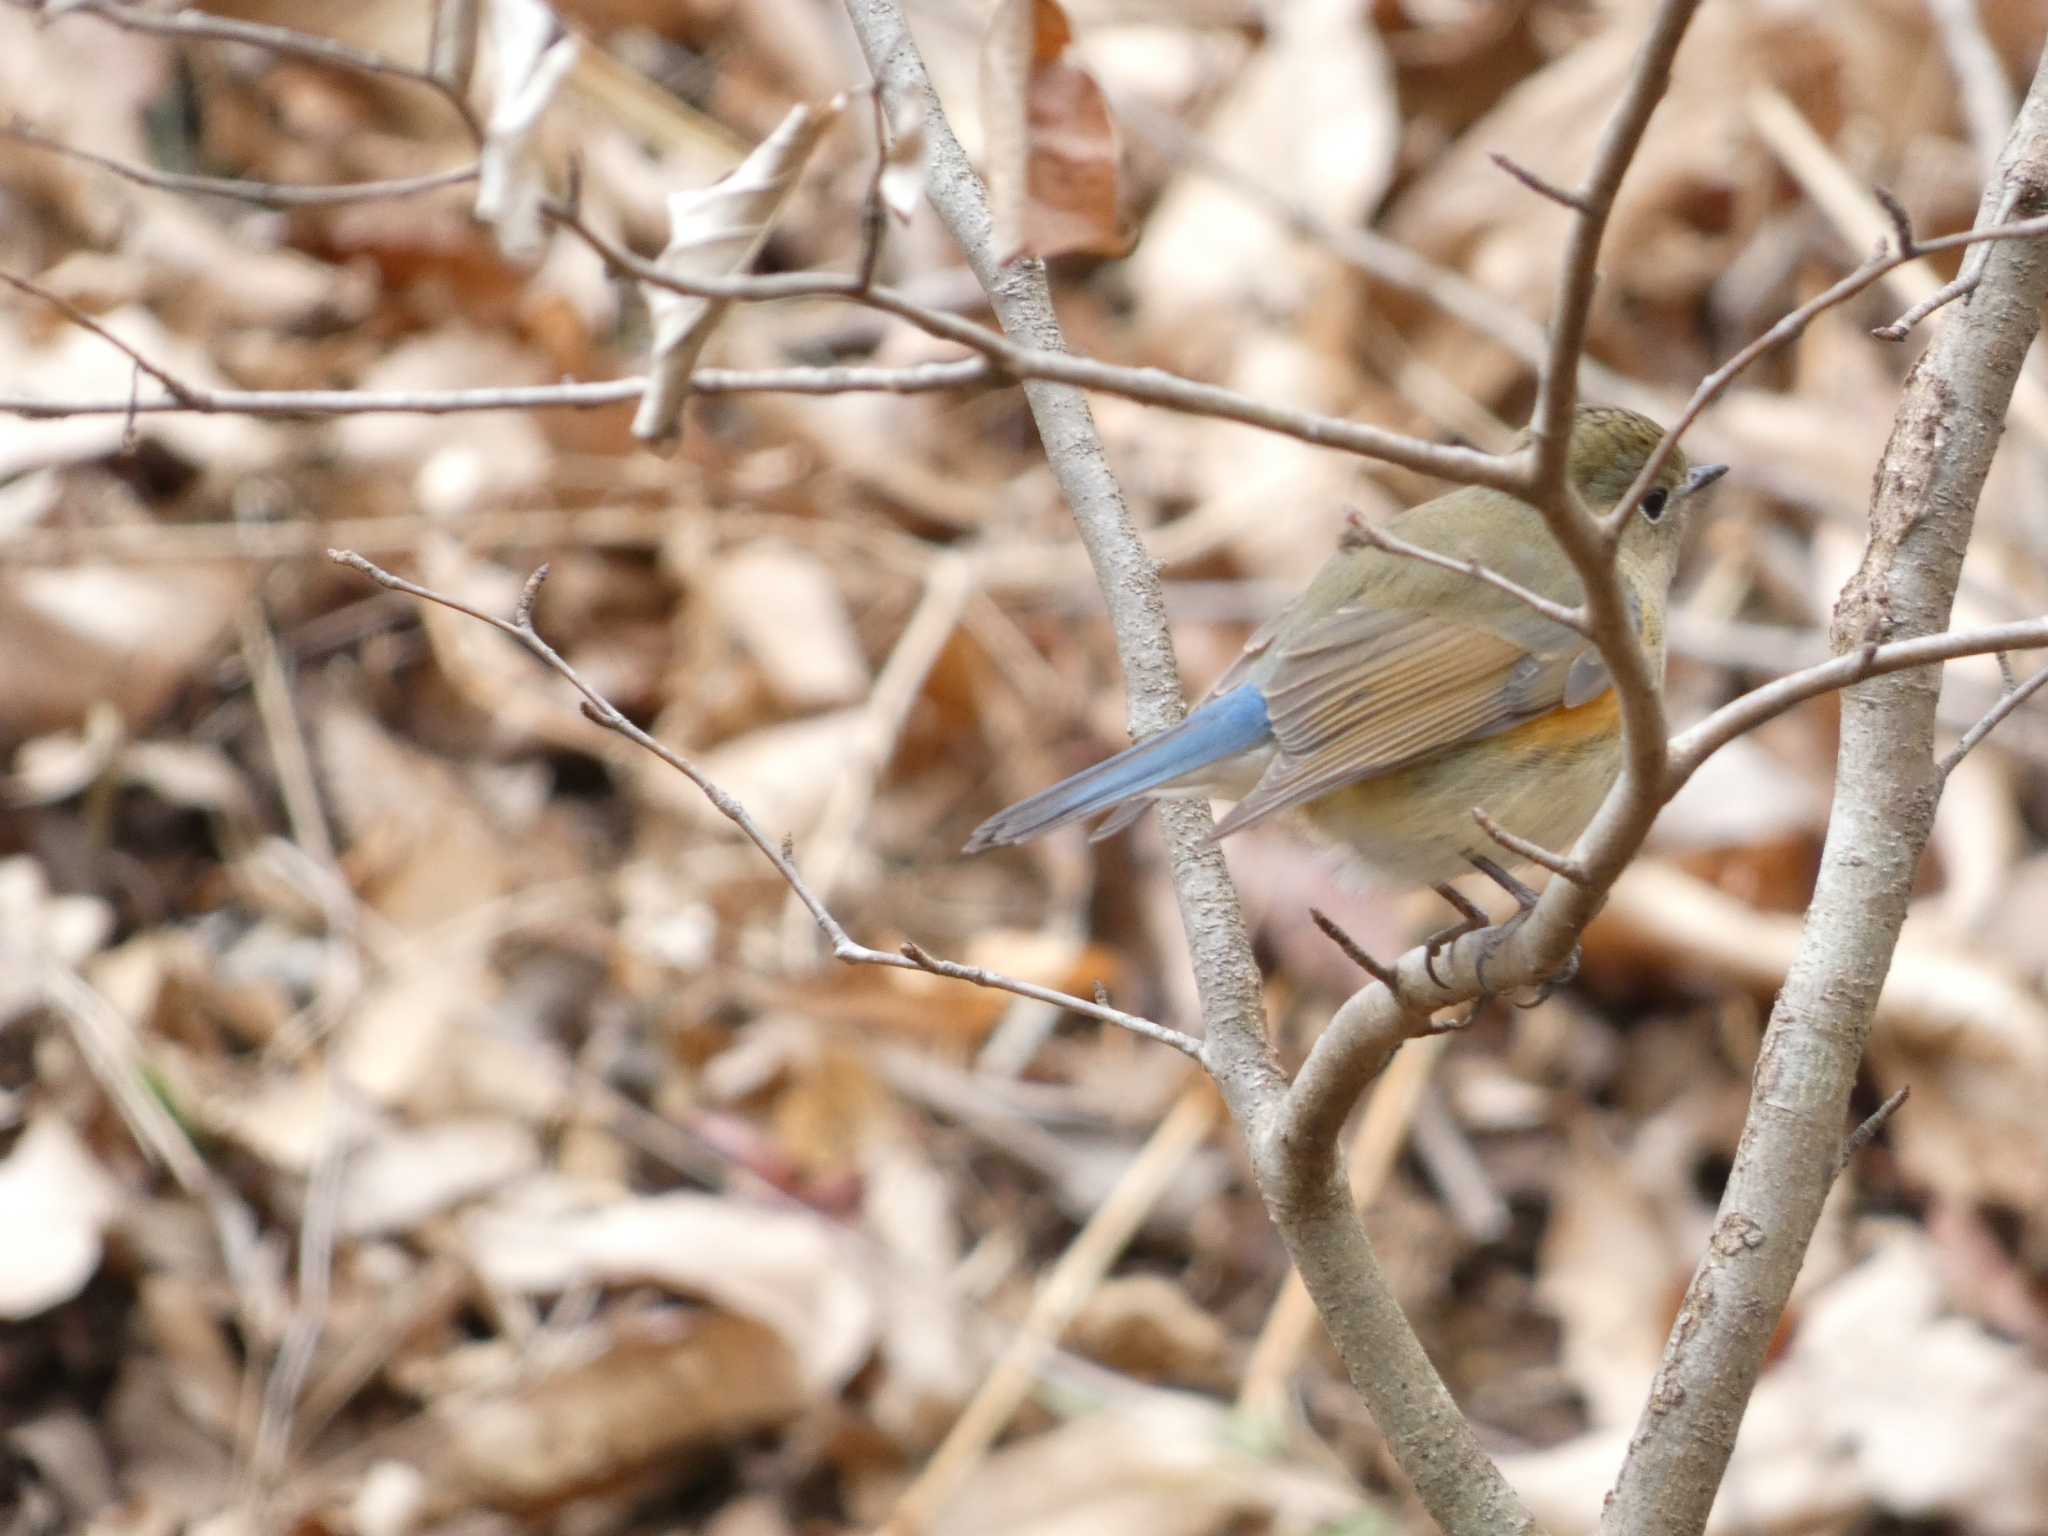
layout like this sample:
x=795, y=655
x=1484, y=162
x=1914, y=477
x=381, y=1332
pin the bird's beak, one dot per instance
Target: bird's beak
x=1702, y=476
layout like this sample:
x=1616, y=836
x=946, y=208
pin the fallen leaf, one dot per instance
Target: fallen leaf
x=671, y=1385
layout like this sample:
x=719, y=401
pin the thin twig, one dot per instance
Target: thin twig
x=1961, y=288
x=1694, y=746
x=916, y=379
x=1353, y=950
x=1792, y=326
x=182, y=393
x=1866, y=1133
x=1359, y=531
x=1547, y=189
x=1535, y=853
x=2014, y=696
x=1903, y=242
x=1557, y=385
x=282, y=41
x=263, y=194
x=601, y=711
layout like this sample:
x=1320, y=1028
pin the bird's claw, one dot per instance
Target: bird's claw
x=1547, y=988
x=1472, y=920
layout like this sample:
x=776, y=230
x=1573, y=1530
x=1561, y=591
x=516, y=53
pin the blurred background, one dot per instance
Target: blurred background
x=420, y=1111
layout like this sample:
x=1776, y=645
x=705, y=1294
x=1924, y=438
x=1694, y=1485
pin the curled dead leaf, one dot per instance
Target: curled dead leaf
x=717, y=231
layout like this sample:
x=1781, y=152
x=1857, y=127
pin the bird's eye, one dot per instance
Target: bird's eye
x=1655, y=502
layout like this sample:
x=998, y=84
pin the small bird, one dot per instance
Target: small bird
x=1393, y=696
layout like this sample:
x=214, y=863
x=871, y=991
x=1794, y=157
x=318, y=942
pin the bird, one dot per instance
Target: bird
x=1394, y=697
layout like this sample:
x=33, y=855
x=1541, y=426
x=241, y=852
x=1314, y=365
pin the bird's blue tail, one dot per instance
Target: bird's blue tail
x=1222, y=728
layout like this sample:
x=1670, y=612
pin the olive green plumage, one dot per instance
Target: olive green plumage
x=1398, y=695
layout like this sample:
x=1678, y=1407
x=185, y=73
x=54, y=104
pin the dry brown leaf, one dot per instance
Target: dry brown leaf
x=1148, y=1327
x=422, y=848
x=673, y=1385
x=1054, y=151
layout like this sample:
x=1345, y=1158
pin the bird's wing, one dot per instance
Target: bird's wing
x=1365, y=690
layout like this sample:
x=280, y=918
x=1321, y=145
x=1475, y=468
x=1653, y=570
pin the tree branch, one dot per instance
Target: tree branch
x=1227, y=978
x=1431, y=1440
x=263, y=194
x=1887, y=785
x=1693, y=747
x=202, y=26
x=600, y=711
x=1557, y=387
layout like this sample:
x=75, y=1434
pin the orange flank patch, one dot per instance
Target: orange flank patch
x=1564, y=729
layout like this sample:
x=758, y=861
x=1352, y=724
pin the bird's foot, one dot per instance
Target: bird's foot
x=1525, y=903
x=1470, y=920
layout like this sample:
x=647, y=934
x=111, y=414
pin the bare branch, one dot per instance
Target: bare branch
x=1866, y=1133
x=283, y=41
x=1943, y=438
x=1547, y=189
x=2014, y=696
x=263, y=194
x=1694, y=746
x=1947, y=293
x=600, y=711
x=917, y=379
x=1353, y=950
x=1360, y=532
x=1535, y=853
